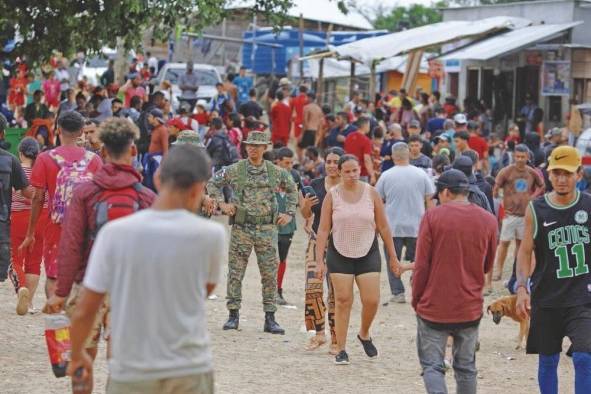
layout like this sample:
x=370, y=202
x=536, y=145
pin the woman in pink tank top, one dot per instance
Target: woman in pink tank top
x=352, y=214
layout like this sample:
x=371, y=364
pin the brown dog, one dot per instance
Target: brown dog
x=505, y=306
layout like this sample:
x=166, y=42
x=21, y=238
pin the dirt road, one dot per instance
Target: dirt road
x=250, y=361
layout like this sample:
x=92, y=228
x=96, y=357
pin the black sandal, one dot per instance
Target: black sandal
x=369, y=347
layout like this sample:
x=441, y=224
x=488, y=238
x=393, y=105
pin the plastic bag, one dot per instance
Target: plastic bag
x=57, y=336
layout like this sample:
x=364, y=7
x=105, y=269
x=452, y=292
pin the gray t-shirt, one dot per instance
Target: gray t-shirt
x=155, y=266
x=189, y=80
x=404, y=188
x=422, y=161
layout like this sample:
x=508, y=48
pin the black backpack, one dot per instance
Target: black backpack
x=231, y=154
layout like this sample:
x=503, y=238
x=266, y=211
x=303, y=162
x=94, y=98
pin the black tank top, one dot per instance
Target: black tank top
x=563, y=253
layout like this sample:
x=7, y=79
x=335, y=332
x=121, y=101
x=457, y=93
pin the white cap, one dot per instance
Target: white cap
x=460, y=119
x=284, y=81
x=202, y=103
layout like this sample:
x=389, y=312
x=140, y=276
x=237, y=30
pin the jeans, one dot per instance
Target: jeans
x=431, y=345
x=396, y=286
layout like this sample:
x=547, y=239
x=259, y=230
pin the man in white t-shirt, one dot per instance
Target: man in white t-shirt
x=158, y=266
x=407, y=192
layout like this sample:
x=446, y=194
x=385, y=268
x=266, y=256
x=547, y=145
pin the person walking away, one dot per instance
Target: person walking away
x=478, y=143
x=285, y=232
x=353, y=211
x=448, y=280
x=244, y=84
x=114, y=192
x=297, y=105
x=254, y=213
x=359, y=145
x=418, y=159
x=251, y=107
x=127, y=263
x=312, y=122
x=316, y=311
x=280, y=120
x=475, y=195
x=406, y=191
x=189, y=84
x=520, y=183
x=56, y=172
x=559, y=304
x=25, y=268
x=108, y=76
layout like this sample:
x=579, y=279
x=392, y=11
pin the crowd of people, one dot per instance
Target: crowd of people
x=446, y=193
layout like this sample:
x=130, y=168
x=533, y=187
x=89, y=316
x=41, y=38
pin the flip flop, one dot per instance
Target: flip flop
x=315, y=342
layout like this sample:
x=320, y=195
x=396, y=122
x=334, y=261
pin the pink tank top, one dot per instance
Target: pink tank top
x=353, y=225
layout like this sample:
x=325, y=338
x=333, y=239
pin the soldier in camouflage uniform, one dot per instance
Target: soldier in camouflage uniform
x=254, y=212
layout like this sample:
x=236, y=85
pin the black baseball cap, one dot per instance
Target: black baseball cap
x=464, y=164
x=452, y=179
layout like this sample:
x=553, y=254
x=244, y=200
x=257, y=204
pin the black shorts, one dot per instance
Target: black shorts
x=549, y=326
x=339, y=264
x=308, y=139
x=283, y=244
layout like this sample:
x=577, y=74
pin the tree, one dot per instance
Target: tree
x=402, y=18
x=88, y=25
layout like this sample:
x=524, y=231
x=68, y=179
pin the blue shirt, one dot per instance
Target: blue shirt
x=244, y=84
x=331, y=140
x=435, y=124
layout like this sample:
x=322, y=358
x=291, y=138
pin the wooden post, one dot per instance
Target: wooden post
x=301, y=64
x=413, y=65
x=320, y=81
x=372, y=81
x=352, y=80
x=223, y=43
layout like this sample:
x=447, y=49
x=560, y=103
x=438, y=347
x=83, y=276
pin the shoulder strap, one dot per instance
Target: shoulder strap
x=242, y=175
x=272, y=174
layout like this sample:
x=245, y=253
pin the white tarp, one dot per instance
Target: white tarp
x=325, y=11
x=334, y=68
x=390, y=45
x=508, y=42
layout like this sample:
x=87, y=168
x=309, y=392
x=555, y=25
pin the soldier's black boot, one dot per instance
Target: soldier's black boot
x=233, y=320
x=271, y=325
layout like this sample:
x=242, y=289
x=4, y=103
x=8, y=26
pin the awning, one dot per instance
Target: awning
x=383, y=47
x=508, y=42
x=334, y=68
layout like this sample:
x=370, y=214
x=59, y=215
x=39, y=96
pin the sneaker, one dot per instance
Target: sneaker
x=22, y=304
x=280, y=300
x=398, y=298
x=369, y=347
x=342, y=358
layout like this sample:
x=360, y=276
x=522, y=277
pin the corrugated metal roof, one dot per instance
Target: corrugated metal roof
x=508, y=42
x=389, y=45
x=325, y=11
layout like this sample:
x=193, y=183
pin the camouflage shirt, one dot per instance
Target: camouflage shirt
x=258, y=195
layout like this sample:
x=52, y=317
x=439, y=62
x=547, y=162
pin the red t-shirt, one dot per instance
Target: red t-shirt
x=297, y=104
x=45, y=170
x=479, y=145
x=455, y=248
x=131, y=91
x=202, y=118
x=280, y=120
x=359, y=145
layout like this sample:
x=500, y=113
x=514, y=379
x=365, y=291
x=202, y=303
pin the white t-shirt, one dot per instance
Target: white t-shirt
x=404, y=188
x=61, y=75
x=155, y=266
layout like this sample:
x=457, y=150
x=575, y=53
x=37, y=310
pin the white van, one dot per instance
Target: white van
x=207, y=77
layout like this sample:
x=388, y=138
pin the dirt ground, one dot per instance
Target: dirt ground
x=249, y=361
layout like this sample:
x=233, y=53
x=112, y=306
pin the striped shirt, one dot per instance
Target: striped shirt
x=19, y=202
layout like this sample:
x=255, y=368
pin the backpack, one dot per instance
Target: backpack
x=69, y=175
x=231, y=154
x=116, y=203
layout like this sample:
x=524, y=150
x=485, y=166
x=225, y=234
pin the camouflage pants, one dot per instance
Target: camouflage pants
x=263, y=238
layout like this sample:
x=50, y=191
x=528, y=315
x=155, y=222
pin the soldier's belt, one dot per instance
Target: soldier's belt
x=258, y=219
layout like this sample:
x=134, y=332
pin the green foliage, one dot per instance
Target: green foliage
x=401, y=18
x=87, y=25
